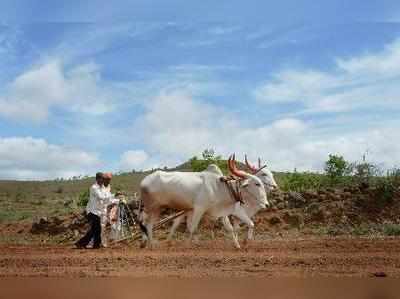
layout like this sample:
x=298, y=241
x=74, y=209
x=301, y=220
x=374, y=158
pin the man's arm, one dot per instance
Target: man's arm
x=100, y=194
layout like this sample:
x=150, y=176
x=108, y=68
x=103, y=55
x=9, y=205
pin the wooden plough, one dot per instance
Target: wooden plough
x=135, y=235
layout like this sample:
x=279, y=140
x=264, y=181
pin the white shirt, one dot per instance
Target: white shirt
x=111, y=199
x=98, y=198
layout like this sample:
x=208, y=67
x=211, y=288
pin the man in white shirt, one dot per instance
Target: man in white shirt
x=98, y=198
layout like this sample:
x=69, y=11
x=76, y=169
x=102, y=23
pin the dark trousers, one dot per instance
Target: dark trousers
x=94, y=232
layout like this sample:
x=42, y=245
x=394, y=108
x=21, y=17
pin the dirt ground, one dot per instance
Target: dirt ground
x=297, y=257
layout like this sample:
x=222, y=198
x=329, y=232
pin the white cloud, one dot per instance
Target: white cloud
x=32, y=158
x=32, y=94
x=363, y=82
x=133, y=159
x=176, y=126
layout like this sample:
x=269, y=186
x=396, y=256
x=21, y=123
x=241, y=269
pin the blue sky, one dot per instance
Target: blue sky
x=140, y=84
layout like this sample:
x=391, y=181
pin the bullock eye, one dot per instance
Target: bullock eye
x=264, y=174
x=258, y=184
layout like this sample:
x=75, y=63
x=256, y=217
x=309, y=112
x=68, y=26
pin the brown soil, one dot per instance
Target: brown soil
x=296, y=257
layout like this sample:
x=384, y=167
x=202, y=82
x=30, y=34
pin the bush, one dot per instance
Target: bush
x=364, y=172
x=385, y=190
x=83, y=198
x=393, y=176
x=209, y=157
x=391, y=229
x=336, y=167
x=363, y=229
x=300, y=181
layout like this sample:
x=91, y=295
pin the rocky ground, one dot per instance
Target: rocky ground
x=332, y=211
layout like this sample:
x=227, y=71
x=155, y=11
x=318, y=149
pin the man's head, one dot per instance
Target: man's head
x=107, y=178
x=99, y=178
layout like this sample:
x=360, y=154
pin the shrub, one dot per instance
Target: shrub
x=300, y=181
x=209, y=157
x=393, y=176
x=83, y=198
x=385, y=190
x=362, y=230
x=364, y=172
x=391, y=229
x=336, y=167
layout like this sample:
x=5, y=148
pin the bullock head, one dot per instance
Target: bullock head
x=251, y=186
x=263, y=173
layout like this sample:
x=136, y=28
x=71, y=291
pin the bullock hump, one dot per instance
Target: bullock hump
x=214, y=169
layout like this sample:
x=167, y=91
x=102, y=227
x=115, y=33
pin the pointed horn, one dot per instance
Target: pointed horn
x=230, y=163
x=258, y=170
x=235, y=171
x=251, y=167
x=259, y=163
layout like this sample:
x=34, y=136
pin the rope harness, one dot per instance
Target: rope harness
x=233, y=186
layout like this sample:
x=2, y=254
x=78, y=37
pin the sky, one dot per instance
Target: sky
x=123, y=85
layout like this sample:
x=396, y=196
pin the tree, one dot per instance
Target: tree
x=209, y=157
x=336, y=167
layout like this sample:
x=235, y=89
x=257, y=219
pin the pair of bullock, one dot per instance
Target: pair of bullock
x=207, y=193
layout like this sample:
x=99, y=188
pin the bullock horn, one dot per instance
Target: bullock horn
x=251, y=167
x=260, y=166
x=229, y=163
x=258, y=170
x=233, y=168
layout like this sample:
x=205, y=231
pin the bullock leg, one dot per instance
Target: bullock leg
x=178, y=221
x=142, y=224
x=196, y=217
x=236, y=227
x=149, y=226
x=174, y=226
x=228, y=226
x=246, y=219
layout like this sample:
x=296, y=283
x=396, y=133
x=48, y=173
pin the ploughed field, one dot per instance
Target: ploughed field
x=279, y=257
x=351, y=231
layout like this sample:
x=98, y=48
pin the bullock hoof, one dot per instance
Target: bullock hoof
x=236, y=245
x=154, y=244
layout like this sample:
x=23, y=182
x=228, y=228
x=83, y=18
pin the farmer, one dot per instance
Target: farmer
x=95, y=208
x=110, y=207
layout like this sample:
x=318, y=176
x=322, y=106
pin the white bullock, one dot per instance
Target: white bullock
x=264, y=174
x=250, y=207
x=267, y=178
x=199, y=193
